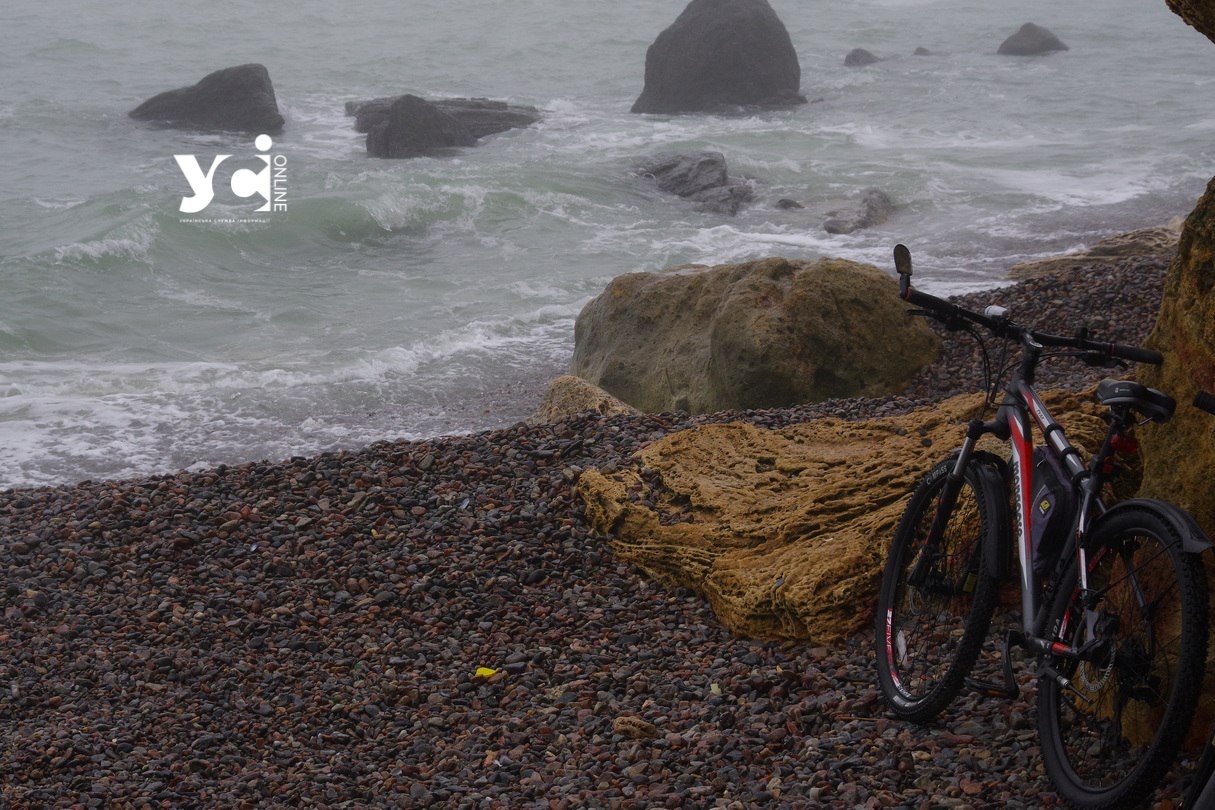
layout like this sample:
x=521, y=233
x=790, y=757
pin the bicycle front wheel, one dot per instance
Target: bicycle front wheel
x=1112, y=716
x=936, y=599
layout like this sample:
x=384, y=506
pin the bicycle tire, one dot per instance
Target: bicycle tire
x=1109, y=735
x=928, y=636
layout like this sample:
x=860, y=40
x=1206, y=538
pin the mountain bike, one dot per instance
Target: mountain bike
x=1113, y=602
x=1201, y=794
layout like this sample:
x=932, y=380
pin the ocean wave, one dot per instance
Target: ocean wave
x=130, y=242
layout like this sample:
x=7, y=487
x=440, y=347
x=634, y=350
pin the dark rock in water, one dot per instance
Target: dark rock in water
x=859, y=57
x=414, y=127
x=700, y=177
x=235, y=99
x=875, y=208
x=1030, y=41
x=922, y=52
x=481, y=116
x=786, y=204
x=721, y=54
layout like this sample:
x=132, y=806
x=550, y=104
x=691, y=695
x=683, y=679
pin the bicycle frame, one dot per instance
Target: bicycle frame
x=1020, y=410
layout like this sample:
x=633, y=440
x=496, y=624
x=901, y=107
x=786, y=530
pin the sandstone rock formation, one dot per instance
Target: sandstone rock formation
x=1145, y=242
x=874, y=209
x=720, y=54
x=235, y=99
x=481, y=116
x=1031, y=40
x=785, y=531
x=700, y=177
x=1179, y=457
x=756, y=335
x=568, y=395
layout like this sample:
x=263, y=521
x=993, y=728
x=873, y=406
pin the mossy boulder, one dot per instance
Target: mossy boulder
x=763, y=334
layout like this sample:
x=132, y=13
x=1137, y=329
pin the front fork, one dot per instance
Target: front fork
x=946, y=502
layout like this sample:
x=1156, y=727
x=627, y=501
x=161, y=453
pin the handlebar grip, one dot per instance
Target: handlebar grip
x=1206, y=401
x=1136, y=354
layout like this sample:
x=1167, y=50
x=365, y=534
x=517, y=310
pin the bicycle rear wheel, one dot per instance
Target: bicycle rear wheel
x=936, y=602
x=1110, y=731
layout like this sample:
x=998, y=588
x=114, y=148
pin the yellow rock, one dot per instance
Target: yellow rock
x=785, y=531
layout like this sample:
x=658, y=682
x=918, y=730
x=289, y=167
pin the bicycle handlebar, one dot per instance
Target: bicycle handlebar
x=953, y=315
x=1206, y=401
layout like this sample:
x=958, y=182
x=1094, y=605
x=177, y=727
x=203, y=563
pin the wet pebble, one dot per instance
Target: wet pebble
x=432, y=624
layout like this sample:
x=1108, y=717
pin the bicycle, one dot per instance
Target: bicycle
x=1201, y=793
x=1113, y=601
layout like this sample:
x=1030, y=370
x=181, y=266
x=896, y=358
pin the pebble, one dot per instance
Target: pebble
x=308, y=633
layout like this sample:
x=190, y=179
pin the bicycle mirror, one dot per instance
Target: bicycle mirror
x=902, y=260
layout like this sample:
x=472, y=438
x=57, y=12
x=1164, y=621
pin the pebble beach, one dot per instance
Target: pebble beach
x=431, y=624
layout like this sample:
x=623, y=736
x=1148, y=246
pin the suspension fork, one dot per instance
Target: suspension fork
x=948, y=499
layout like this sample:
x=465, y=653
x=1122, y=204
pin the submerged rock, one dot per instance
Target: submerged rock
x=1031, y=40
x=721, y=54
x=414, y=127
x=235, y=99
x=859, y=57
x=482, y=116
x=874, y=209
x=701, y=177
x=762, y=334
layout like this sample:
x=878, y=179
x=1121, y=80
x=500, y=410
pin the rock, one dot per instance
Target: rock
x=786, y=204
x=481, y=116
x=859, y=57
x=568, y=395
x=414, y=127
x=756, y=335
x=720, y=54
x=1031, y=40
x=235, y=99
x=1197, y=13
x=1146, y=242
x=875, y=208
x=922, y=51
x=1179, y=456
x=701, y=177
x=784, y=531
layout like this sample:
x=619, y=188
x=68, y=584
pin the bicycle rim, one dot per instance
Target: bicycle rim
x=929, y=633
x=1111, y=732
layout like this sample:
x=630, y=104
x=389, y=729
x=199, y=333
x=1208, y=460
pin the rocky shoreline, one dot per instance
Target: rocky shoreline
x=430, y=623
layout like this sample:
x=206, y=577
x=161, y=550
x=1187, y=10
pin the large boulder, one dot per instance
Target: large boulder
x=1031, y=40
x=235, y=99
x=414, y=127
x=721, y=54
x=784, y=531
x=763, y=334
x=1179, y=457
x=700, y=177
x=1198, y=13
x=482, y=116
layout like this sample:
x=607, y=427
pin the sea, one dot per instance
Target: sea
x=408, y=299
